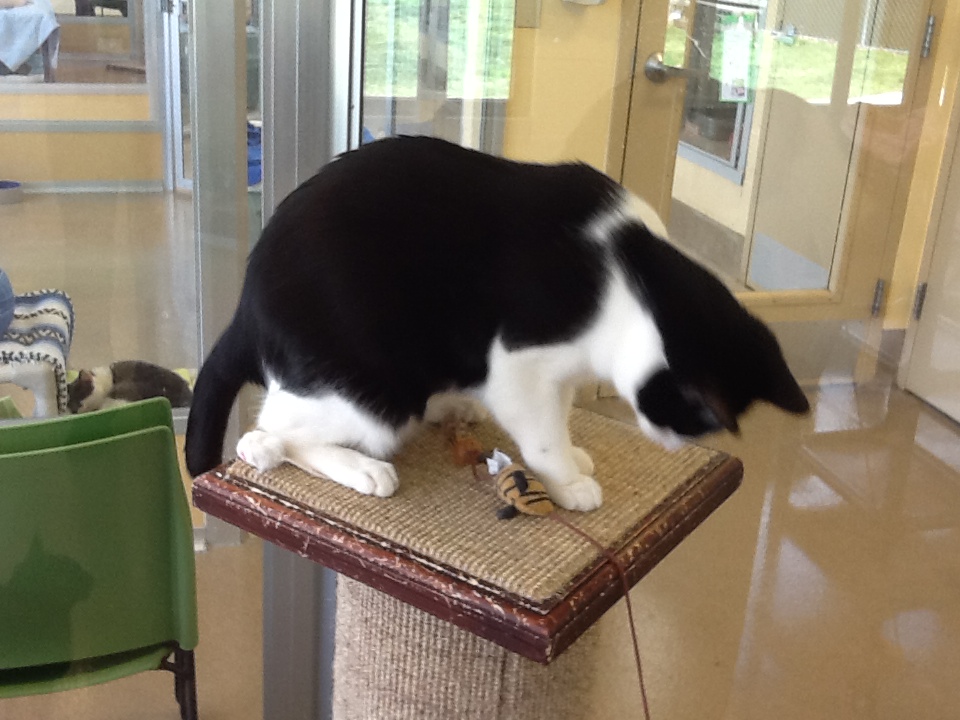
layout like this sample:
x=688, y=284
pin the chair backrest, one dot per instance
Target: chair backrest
x=74, y=429
x=97, y=541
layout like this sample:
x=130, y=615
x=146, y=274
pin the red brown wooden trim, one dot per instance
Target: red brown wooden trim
x=540, y=636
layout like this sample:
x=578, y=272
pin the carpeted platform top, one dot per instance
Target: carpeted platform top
x=447, y=520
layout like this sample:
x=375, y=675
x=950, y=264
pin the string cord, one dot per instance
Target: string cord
x=466, y=450
x=615, y=561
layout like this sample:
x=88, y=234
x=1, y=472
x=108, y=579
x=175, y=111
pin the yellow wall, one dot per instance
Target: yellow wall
x=931, y=169
x=17, y=106
x=78, y=157
x=561, y=89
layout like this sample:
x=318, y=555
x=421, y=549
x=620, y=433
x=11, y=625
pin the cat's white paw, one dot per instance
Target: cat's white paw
x=583, y=460
x=369, y=476
x=582, y=494
x=261, y=449
x=452, y=405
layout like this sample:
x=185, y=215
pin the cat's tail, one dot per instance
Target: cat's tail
x=231, y=364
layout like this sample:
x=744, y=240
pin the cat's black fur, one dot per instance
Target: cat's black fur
x=387, y=276
x=131, y=380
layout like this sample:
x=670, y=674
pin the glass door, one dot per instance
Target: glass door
x=796, y=128
x=777, y=138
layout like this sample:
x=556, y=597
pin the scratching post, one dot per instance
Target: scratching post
x=443, y=610
x=395, y=662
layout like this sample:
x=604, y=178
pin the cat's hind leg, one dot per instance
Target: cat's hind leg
x=261, y=449
x=326, y=435
x=348, y=467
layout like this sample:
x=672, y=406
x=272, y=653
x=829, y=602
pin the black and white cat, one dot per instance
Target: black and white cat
x=123, y=382
x=413, y=267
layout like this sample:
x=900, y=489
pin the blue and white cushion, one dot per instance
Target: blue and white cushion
x=41, y=332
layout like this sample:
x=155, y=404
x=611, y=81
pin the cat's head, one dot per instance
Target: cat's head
x=80, y=390
x=709, y=393
x=720, y=359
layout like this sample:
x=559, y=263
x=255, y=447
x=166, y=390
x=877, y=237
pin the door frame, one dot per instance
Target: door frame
x=313, y=45
x=949, y=167
x=172, y=71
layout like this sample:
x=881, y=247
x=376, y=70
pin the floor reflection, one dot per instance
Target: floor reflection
x=827, y=587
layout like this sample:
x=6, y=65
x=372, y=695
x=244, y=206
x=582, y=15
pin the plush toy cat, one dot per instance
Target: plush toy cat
x=123, y=382
x=413, y=267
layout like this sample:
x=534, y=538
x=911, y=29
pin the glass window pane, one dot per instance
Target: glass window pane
x=437, y=68
x=99, y=218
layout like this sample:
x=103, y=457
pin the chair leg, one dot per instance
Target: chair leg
x=184, y=672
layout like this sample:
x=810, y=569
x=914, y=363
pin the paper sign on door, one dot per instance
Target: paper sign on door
x=737, y=71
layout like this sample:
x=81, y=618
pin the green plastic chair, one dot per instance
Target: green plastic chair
x=8, y=410
x=74, y=429
x=97, y=576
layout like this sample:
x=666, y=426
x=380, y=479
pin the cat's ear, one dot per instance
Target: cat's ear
x=780, y=387
x=771, y=376
x=785, y=392
x=85, y=376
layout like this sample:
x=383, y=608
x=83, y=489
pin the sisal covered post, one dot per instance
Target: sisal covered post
x=396, y=662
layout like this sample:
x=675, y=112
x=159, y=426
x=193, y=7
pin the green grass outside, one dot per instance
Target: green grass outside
x=393, y=26
x=807, y=67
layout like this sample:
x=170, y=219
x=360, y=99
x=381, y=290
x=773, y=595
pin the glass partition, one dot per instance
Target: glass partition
x=438, y=68
x=97, y=218
x=765, y=79
x=80, y=42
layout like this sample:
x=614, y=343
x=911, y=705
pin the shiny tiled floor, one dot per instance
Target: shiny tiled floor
x=827, y=587
x=229, y=665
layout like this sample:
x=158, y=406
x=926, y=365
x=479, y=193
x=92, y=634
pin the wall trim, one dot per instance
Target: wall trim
x=39, y=88
x=93, y=186
x=90, y=20
x=80, y=126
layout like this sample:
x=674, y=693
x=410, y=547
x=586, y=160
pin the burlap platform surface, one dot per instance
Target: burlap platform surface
x=447, y=518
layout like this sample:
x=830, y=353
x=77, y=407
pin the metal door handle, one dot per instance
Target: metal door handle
x=657, y=72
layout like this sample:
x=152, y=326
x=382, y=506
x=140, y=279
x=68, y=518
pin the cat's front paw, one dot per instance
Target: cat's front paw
x=582, y=494
x=583, y=460
x=261, y=449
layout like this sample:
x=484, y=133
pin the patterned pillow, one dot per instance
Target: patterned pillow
x=40, y=332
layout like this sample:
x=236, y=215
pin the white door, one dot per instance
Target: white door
x=933, y=372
